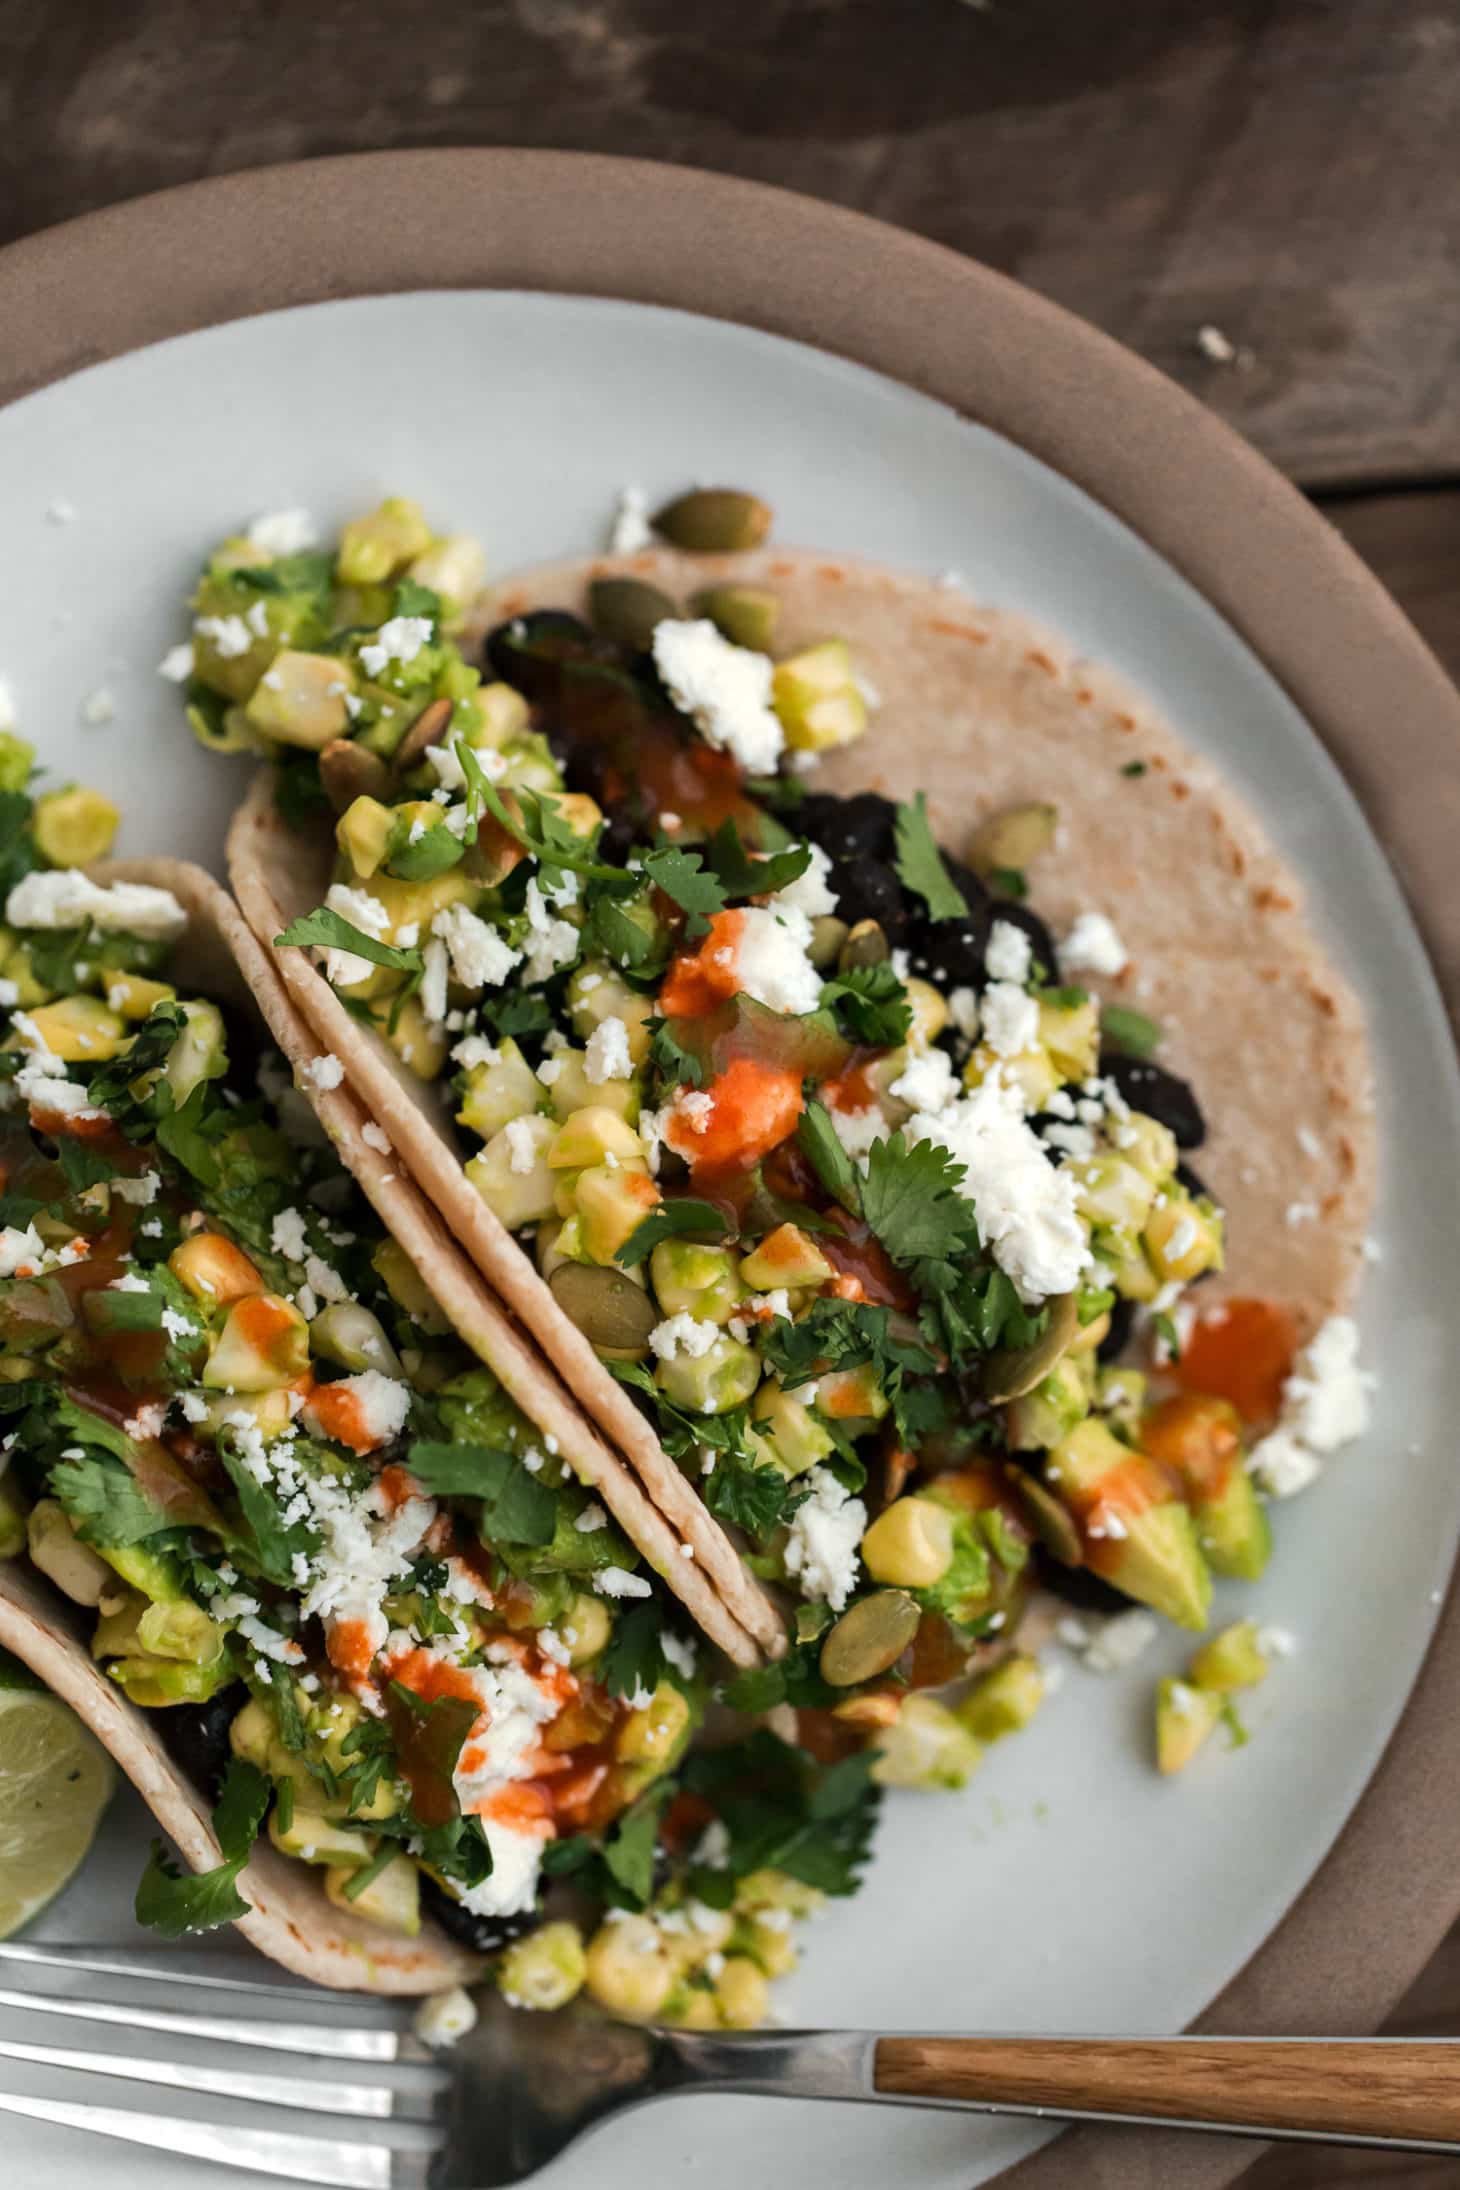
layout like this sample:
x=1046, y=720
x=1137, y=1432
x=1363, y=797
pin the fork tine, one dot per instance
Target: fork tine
x=325, y=2039
x=313, y=2095
x=175, y=1968
x=298, y=2159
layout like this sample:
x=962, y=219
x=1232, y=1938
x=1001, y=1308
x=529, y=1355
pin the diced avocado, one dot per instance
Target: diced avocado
x=74, y=827
x=1185, y=1718
x=264, y=1342
x=155, y=1683
x=418, y=1041
x=570, y=1089
x=786, y=1427
x=852, y=1395
x=199, y=1053
x=13, y=1512
x=1157, y=1559
x=910, y=1544
x=213, y=1270
x=696, y=1280
x=530, y=765
x=1200, y=1436
x=77, y=1571
x=1004, y=1700
x=270, y=1412
x=300, y=700
x=455, y=570
x=1042, y=1417
x=1232, y=1660
x=1149, y=1145
x=1113, y=1193
x=1120, y=1394
x=504, y=1087
x=392, y=1899
x=1033, y=1072
x=596, y=1135
x=925, y=1747
x=362, y=833
x=252, y=1732
x=1124, y=1264
x=419, y=902
x=151, y=1572
x=1070, y=1034
x=612, y=1204
x=115, y=1634
x=786, y=1257
x=596, y=993
x=712, y=1382
x=181, y=1630
x=512, y=1173
x=352, y=1338
x=374, y=548
x=134, y=996
x=818, y=699
x=1183, y=1237
x=314, y=1839
x=230, y=650
x=407, y=1288
x=81, y=1030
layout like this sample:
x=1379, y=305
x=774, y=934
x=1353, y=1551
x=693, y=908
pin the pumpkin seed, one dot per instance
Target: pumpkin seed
x=611, y=1311
x=827, y=937
x=713, y=521
x=428, y=729
x=866, y=945
x=869, y=1638
x=1007, y=842
x=744, y=614
x=1013, y=1370
x=1051, y=1522
x=350, y=771
x=626, y=610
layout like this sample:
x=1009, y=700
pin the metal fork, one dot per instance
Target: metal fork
x=521, y=2088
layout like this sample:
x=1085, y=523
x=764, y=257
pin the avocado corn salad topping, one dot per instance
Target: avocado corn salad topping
x=808, y=1123
x=375, y=1614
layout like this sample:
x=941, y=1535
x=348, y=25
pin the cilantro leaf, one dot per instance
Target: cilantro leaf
x=742, y=876
x=111, y=1085
x=516, y=1507
x=633, y=1661
x=669, y=1221
x=755, y=1498
x=910, y=1199
x=171, y=1901
x=414, y=599
x=1130, y=1032
x=105, y=1504
x=817, y=1140
x=275, y=1543
x=536, y=823
x=871, y=1003
x=433, y=1730
x=628, y=1851
x=682, y=877
x=622, y=939
x=670, y=1058
x=780, y=1808
x=920, y=865
x=328, y=930
x=298, y=791
x=83, y=1165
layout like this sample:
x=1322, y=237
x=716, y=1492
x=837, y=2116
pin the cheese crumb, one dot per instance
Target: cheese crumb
x=1093, y=946
x=822, y=1544
x=724, y=689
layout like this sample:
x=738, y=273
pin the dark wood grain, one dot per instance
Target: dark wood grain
x=1281, y=169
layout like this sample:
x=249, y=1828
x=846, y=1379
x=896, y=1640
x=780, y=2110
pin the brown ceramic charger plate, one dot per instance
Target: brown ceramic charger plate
x=1310, y=611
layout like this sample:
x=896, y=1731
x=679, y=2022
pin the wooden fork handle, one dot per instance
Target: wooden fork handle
x=1383, y=2088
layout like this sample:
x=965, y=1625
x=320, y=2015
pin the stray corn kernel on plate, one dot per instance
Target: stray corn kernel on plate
x=778, y=1392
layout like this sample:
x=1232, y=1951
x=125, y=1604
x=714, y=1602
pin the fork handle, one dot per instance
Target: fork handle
x=1390, y=2090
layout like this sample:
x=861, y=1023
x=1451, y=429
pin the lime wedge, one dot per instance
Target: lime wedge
x=55, y=1781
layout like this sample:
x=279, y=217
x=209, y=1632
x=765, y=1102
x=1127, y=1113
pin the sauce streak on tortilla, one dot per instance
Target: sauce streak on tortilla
x=1244, y=1352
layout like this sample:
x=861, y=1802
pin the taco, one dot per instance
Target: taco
x=853, y=1196
x=355, y=1567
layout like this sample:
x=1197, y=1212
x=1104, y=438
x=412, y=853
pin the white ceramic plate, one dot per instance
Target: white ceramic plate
x=1068, y=1889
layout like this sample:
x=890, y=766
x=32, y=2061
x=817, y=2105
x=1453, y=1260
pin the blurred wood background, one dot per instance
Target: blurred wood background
x=1282, y=171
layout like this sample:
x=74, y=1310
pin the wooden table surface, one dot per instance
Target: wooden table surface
x=1284, y=171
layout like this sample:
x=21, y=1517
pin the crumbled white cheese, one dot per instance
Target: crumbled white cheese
x=324, y=1072
x=683, y=1336
x=521, y=1144
x=480, y=957
x=287, y=1236
x=345, y=967
x=1010, y=1019
x=608, y=1052
x=473, y=1050
x=7, y=704
x=63, y=897
x=725, y=690
x=771, y=962
x=399, y=640
x=811, y=893
x=230, y=635
x=60, y=512
x=1008, y=953
x=22, y=1248
x=858, y=1129
x=284, y=532
x=139, y=1191
x=616, y=1581
x=1026, y=1207
x=680, y=1653
x=550, y=943
x=381, y=1405
x=1277, y=1642
x=434, y=971
x=98, y=708
x=177, y=663
x=1214, y=345
x=1093, y=946
x=376, y=1137
x=1120, y=1641
x=591, y=1518
x=630, y=531
x=822, y=1544
x=1325, y=1404
x=963, y=1009
x=929, y=1082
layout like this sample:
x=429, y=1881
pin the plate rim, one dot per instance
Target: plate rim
x=591, y=224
